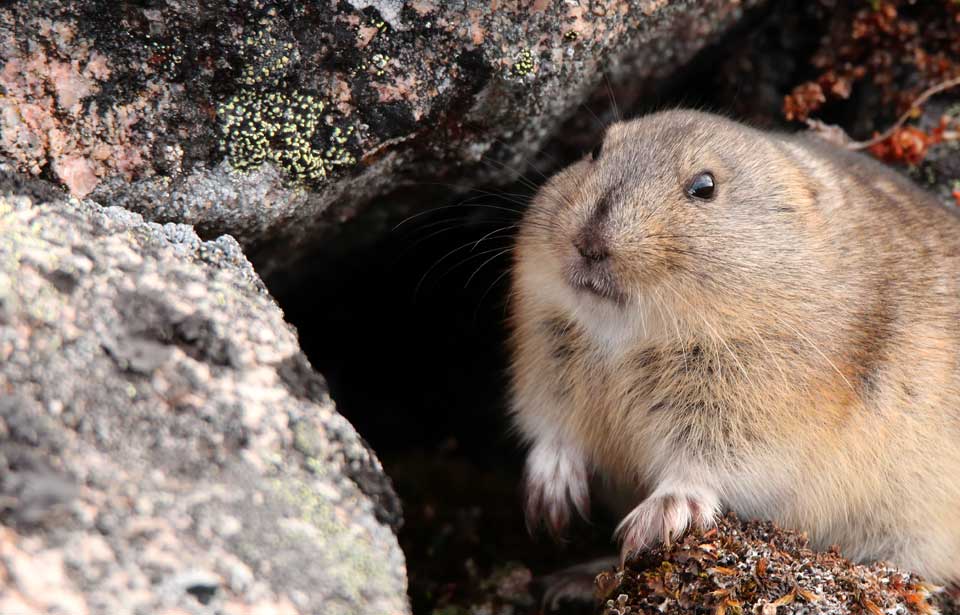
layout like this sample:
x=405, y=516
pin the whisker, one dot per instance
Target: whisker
x=523, y=179
x=458, y=205
x=528, y=182
x=603, y=125
x=484, y=264
x=613, y=98
x=504, y=228
x=530, y=163
x=468, y=259
x=490, y=288
x=416, y=289
x=447, y=229
x=462, y=222
x=716, y=337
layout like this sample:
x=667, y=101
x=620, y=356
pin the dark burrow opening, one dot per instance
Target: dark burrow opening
x=410, y=329
x=411, y=334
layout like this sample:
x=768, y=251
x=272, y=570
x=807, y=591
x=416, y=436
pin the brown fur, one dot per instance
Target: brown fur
x=788, y=350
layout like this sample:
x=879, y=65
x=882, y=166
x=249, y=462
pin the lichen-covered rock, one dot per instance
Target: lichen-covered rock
x=164, y=445
x=940, y=169
x=755, y=567
x=274, y=120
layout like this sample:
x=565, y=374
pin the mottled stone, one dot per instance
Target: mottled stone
x=165, y=447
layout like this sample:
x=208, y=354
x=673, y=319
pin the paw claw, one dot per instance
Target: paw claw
x=663, y=519
x=555, y=479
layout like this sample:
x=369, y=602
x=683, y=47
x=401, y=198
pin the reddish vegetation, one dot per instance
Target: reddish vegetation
x=901, y=48
x=909, y=144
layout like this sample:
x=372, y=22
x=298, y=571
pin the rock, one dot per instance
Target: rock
x=756, y=567
x=164, y=444
x=940, y=169
x=275, y=121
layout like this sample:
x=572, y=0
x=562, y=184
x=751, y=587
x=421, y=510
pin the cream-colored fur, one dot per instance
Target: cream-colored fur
x=789, y=350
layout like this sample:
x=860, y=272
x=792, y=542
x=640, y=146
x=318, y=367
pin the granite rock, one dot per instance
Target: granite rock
x=165, y=447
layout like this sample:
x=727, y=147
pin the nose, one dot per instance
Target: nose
x=591, y=245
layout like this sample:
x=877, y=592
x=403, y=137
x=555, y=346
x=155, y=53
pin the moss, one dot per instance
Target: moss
x=288, y=129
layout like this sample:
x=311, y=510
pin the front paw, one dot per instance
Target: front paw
x=555, y=478
x=664, y=517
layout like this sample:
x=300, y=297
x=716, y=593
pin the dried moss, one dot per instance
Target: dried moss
x=755, y=567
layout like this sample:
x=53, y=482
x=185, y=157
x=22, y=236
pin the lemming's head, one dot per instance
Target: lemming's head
x=675, y=208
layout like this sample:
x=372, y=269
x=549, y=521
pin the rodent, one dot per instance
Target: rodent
x=708, y=317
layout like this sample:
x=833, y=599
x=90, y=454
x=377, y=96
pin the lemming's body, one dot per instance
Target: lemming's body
x=707, y=317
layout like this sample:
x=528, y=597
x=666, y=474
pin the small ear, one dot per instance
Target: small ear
x=806, y=184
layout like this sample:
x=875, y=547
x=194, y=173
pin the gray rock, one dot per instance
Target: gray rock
x=940, y=170
x=276, y=121
x=165, y=447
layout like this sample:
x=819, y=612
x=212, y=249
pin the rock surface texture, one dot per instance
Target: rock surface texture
x=164, y=445
x=275, y=121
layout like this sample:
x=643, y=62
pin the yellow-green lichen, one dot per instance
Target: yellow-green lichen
x=267, y=58
x=380, y=62
x=349, y=558
x=378, y=23
x=288, y=129
x=523, y=64
x=167, y=55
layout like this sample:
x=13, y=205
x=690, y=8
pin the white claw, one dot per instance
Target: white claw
x=664, y=517
x=556, y=477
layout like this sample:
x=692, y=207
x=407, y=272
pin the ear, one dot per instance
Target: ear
x=809, y=179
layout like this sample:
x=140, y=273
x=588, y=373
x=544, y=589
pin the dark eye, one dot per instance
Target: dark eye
x=701, y=187
x=596, y=150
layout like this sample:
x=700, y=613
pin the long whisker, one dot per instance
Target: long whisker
x=466, y=260
x=603, y=125
x=459, y=205
x=526, y=181
x=416, y=289
x=490, y=288
x=484, y=264
x=495, y=231
x=530, y=163
x=613, y=98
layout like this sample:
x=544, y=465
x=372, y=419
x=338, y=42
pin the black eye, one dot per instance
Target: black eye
x=701, y=187
x=596, y=150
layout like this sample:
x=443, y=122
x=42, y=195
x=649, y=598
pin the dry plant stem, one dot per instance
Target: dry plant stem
x=886, y=134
